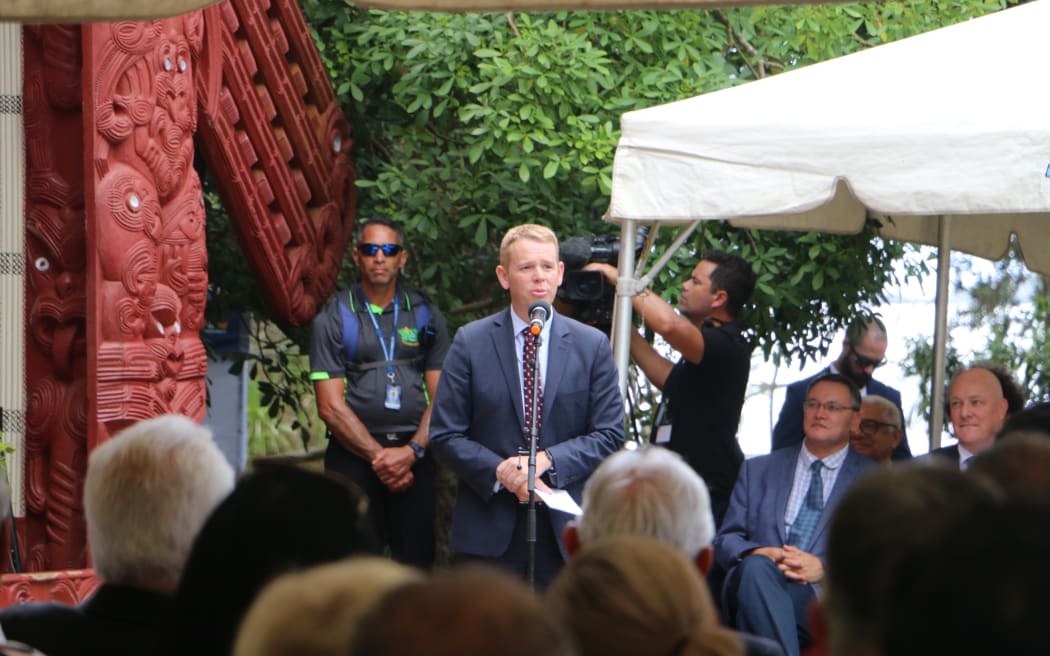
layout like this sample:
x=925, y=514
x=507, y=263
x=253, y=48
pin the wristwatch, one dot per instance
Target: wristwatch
x=418, y=449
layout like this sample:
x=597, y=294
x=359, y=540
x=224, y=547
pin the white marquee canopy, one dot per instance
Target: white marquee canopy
x=945, y=135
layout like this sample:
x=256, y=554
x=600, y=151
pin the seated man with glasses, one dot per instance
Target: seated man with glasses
x=376, y=353
x=880, y=429
x=863, y=351
x=774, y=536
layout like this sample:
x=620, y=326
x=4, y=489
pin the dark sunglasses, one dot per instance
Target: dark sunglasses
x=864, y=362
x=370, y=250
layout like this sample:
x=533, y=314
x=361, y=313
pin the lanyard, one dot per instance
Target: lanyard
x=388, y=353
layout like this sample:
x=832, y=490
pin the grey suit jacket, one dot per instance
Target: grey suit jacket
x=478, y=421
x=756, y=509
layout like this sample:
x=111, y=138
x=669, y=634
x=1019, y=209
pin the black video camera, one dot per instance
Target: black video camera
x=589, y=296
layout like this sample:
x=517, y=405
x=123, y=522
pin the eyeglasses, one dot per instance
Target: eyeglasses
x=369, y=250
x=871, y=426
x=865, y=362
x=830, y=406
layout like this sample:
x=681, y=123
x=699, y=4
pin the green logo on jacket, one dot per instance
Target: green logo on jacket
x=409, y=336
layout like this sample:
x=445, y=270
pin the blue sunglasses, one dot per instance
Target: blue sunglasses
x=370, y=250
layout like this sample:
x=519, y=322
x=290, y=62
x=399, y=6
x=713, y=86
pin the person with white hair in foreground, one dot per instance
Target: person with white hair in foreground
x=652, y=491
x=147, y=493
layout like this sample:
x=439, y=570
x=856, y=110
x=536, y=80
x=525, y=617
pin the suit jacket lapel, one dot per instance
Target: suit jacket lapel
x=785, y=477
x=503, y=341
x=557, y=359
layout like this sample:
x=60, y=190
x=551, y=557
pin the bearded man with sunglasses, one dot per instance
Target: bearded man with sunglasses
x=376, y=353
x=863, y=351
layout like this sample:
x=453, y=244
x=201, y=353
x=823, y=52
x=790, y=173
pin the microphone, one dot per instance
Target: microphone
x=575, y=252
x=539, y=314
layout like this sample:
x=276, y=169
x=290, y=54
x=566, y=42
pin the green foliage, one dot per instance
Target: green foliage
x=466, y=124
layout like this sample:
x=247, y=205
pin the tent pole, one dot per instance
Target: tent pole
x=940, y=333
x=621, y=328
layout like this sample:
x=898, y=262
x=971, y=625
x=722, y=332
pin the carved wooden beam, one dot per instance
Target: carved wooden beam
x=279, y=145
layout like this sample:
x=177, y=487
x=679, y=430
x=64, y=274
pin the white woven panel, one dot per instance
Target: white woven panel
x=12, y=254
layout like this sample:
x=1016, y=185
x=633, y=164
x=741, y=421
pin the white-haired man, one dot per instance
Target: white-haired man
x=653, y=492
x=147, y=493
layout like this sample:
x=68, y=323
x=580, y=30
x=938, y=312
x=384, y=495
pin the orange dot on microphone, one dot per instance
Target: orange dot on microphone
x=535, y=329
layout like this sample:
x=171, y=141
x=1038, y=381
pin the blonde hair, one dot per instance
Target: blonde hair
x=315, y=613
x=531, y=231
x=632, y=595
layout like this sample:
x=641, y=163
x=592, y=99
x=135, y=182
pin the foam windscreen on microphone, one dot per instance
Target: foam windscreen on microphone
x=575, y=252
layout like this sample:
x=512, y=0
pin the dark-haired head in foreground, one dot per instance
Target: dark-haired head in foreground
x=275, y=521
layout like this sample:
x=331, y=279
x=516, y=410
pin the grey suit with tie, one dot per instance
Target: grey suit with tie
x=756, y=519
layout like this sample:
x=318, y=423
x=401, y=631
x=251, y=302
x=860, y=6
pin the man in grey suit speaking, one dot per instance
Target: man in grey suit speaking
x=477, y=426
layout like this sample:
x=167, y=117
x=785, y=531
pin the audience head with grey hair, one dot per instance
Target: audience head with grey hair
x=177, y=475
x=147, y=494
x=647, y=491
x=651, y=492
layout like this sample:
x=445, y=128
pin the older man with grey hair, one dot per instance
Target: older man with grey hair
x=649, y=491
x=147, y=493
x=880, y=429
x=652, y=491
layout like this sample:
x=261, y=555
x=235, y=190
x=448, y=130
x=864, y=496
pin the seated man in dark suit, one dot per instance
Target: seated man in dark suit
x=980, y=400
x=147, y=493
x=863, y=351
x=773, y=540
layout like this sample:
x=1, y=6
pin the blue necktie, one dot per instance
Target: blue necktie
x=809, y=514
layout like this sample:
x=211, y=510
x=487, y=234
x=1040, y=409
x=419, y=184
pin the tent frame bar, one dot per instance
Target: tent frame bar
x=630, y=284
x=940, y=331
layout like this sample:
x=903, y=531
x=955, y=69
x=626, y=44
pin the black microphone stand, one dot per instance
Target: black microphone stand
x=534, y=438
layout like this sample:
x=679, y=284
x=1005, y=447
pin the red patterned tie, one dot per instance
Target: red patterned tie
x=530, y=362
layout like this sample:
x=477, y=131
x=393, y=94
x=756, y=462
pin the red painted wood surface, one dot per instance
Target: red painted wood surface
x=52, y=534
x=279, y=145
x=67, y=587
x=117, y=278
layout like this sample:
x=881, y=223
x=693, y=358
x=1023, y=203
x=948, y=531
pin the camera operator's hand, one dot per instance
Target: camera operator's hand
x=607, y=270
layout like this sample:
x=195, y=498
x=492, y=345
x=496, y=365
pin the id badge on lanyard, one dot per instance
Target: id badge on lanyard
x=392, y=395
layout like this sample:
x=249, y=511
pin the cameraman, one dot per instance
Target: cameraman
x=705, y=389
x=376, y=352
